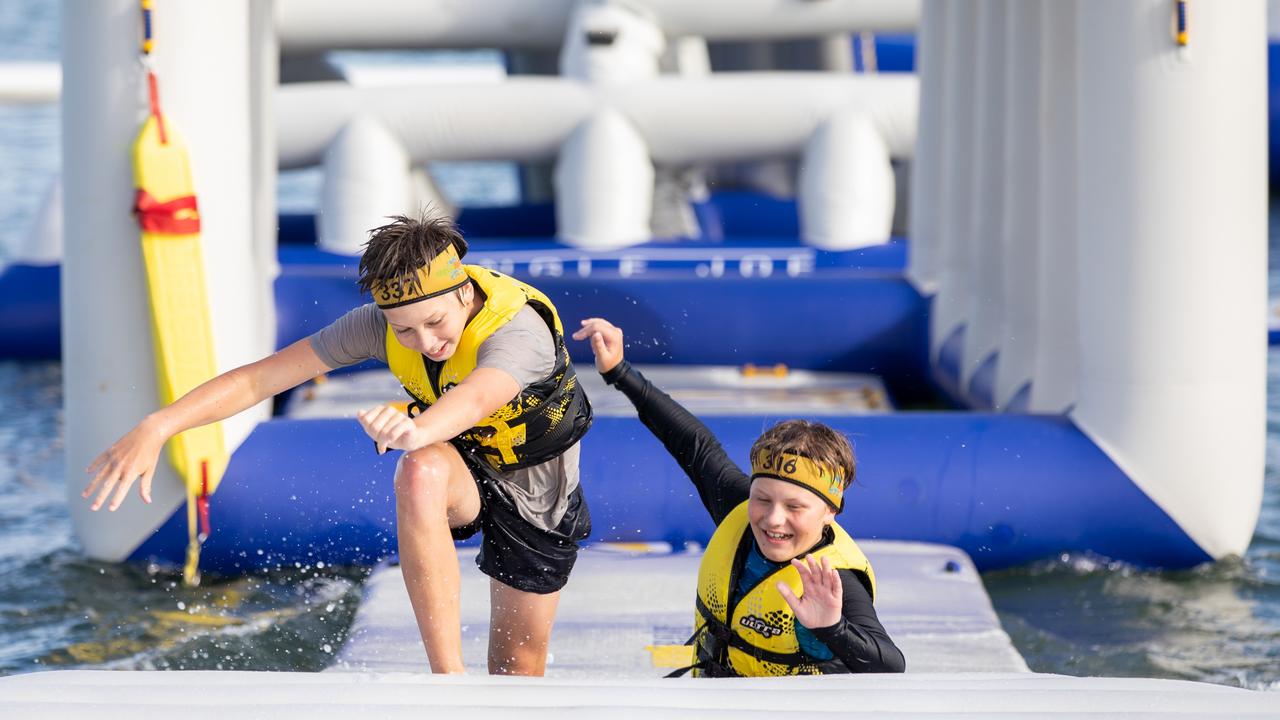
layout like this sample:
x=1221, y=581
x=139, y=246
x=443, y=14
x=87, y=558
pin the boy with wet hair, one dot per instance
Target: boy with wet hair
x=490, y=440
x=782, y=588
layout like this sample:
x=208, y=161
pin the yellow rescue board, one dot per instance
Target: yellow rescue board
x=180, y=321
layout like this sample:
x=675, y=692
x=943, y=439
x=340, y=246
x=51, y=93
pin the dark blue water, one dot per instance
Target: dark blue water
x=1075, y=615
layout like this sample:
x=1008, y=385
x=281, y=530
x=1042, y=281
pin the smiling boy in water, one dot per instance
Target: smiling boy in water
x=491, y=441
x=782, y=588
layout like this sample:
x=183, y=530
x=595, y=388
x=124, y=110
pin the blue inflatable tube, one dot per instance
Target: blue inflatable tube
x=31, y=324
x=1007, y=489
x=840, y=320
x=316, y=287
x=1273, y=114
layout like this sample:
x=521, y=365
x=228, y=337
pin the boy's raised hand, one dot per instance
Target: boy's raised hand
x=820, y=605
x=132, y=457
x=606, y=342
x=390, y=428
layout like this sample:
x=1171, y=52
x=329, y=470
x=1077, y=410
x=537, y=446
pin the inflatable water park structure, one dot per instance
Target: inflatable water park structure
x=1071, y=164
x=1084, y=187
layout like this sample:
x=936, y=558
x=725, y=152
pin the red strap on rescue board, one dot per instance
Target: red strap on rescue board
x=163, y=217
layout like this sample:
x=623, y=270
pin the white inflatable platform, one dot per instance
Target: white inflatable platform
x=960, y=663
x=211, y=695
x=622, y=598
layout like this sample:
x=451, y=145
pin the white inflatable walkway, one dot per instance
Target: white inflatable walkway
x=211, y=695
x=961, y=664
x=622, y=598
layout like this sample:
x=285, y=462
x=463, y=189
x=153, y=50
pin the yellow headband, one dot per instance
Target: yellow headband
x=802, y=471
x=440, y=275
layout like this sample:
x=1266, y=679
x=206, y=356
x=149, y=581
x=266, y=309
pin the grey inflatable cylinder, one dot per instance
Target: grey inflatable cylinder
x=1173, y=246
x=202, y=62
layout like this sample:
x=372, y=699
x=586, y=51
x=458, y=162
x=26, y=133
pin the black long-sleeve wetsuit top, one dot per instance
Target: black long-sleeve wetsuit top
x=858, y=640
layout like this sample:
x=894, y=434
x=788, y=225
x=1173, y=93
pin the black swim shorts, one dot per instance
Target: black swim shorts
x=514, y=551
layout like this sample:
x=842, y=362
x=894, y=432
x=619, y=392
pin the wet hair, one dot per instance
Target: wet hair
x=813, y=440
x=399, y=248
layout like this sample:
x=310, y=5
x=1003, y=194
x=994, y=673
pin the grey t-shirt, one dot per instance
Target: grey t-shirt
x=523, y=348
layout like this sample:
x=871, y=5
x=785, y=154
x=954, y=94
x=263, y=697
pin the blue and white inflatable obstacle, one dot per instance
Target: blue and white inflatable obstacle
x=1067, y=185
x=1006, y=488
x=1096, y=307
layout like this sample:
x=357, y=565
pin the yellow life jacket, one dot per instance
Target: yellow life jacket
x=756, y=635
x=541, y=422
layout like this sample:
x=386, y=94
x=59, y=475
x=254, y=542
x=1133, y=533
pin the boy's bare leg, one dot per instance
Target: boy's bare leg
x=434, y=492
x=519, y=629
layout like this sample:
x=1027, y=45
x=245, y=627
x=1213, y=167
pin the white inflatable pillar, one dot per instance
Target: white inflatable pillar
x=264, y=80
x=955, y=232
x=202, y=61
x=1023, y=122
x=604, y=177
x=678, y=185
x=367, y=179
x=846, y=192
x=611, y=43
x=927, y=170
x=43, y=242
x=1173, y=257
x=986, y=187
x=1055, y=374
x=604, y=184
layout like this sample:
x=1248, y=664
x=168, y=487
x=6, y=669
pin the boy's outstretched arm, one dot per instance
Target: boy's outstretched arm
x=477, y=397
x=134, y=456
x=721, y=484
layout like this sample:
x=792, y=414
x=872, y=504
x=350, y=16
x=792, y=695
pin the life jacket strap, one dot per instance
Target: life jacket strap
x=682, y=671
x=416, y=407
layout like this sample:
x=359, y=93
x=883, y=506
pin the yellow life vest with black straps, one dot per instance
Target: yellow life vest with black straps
x=541, y=422
x=756, y=635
